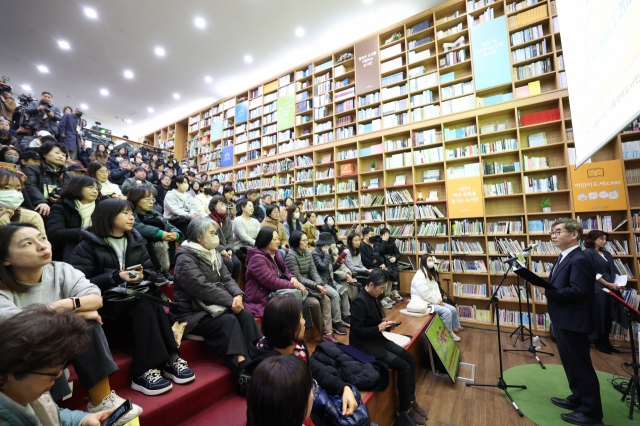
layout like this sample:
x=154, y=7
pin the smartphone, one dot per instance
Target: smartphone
x=394, y=325
x=134, y=267
x=120, y=412
x=341, y=257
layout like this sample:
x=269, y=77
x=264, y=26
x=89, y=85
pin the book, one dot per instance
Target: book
x=401, y=180
x=619, y=225
x=373, y=183
x=326, y=158
x=534, y=88
x=433, y=195
x=537, y=139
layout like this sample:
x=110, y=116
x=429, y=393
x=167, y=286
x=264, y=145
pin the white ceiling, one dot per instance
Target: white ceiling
x=126, y=32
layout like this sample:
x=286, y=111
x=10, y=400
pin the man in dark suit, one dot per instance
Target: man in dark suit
x=571, y=303
x=366, y=335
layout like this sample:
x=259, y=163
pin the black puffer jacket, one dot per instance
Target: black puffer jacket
x=39, y=176
x=64, y=224
x=99, y=262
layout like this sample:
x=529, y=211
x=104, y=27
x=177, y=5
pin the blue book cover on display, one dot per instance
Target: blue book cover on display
x=490, y=53
x=242, y=112
x=227, y=156
x=216, y=131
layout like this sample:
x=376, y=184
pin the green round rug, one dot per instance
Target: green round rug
x=542, y=384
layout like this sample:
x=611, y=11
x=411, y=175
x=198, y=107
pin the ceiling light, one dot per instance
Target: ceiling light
x=176, y=96
x=200, y=23
x=128, y=74
x=26, y=87
x=367, y=1
x=248, y=59
x=64, y=45
x=104, y=92
x=300, y=32
x=208, y=79
x=90, y=13
x=42, y=68
x=159, y=51
x=129, y=121
x=84, y=106
x=150, y=109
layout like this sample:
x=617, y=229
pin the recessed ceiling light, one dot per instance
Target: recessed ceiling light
x=90, y=13
x=208, y=79
x=128, y=74
x=104, y=92
x=42, y=68
x=367, y=1
x=84, y=106
x=300, y=32
x=176, y=96
x=64, y=45
x=129, y=121
x=248, y=59
x=150, y=109
x=200, y=22
x=159, y=51
x=26, y=87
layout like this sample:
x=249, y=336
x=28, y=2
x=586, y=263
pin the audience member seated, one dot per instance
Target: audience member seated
x=341, y=273
x=28, y=158
x=324, y=265
x=245, y=228
x=99, y=172
x=210, y=301
x=76, y=169
x=272, y=220
x=288, y=201
x=100, y=155
x=29, y=277
x=160, y=235
x=267, y=273
x=46, y=180
x=366, y=335
x=36, y=141
x=229, y=193
x=330, y=227
x=9, y=154
x=179, y=207
x=35, y=345
x=139, y=179
x=425, y=290
x=115, y=156
x=266, y=202
x=353, y=260
x=310, y=229
x=220, y=214
x=215, y=186
x=106, y=250
x=72, y=212
x=280, y=393
x=165, y=185
x=253, y=196
x=204, y=198
x=370, y=257
x=301, y=265
x=175, y=168
x=124, y=171
x=11, y=200
x=195, y=188
x=43, y=114
x=293, y=220
x=152, y=174
x=386, y=246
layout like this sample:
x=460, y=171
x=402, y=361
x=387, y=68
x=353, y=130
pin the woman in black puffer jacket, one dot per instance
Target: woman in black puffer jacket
x=106, y=251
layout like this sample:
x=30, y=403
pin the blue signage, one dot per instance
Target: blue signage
x=490, y=53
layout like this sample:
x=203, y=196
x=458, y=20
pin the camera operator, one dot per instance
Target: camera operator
x=70, y=132
x=7, y=103
x=44, y=115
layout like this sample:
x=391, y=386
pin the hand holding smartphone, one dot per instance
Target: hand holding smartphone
x=120, y=412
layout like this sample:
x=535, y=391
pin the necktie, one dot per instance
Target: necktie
x=556, y=264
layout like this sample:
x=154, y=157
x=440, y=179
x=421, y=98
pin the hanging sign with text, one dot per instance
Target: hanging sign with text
x=286, y=112
x=464, y=198
x=367, y=66
x=490, y=53
x=598, y=186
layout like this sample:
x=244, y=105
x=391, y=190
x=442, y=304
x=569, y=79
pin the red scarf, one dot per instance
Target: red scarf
x=219, y=218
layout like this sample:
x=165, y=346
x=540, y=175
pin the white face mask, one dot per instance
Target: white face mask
x=11, y=199
x=296, y=215
x=330, y=222
x=429, y=264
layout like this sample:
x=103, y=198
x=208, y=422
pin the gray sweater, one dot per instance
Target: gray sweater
x=245, y=232
x=59, y=281
x=178, y=205
x=354, y=263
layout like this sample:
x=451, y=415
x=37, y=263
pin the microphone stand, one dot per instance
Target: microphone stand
x=502, y=385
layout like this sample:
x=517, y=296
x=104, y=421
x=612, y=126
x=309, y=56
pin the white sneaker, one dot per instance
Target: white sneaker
x=455, y=337
x=385, y=304
x=113, y=401
x=395, y=295
x=389, y=300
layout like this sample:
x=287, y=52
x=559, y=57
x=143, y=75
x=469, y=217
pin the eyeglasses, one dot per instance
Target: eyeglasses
x=304, y=241
x=150, y=200
x=54, y=375
x=556, y=233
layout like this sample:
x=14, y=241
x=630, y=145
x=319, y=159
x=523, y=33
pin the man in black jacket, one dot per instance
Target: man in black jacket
x=258, y=213
x=386, y=246
x=366, y=335
x=118, y=176
x=371, y=259
x=571, y=304
x=44, y=115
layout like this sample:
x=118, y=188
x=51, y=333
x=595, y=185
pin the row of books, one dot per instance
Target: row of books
x=426, y=137
x=603, y=223
x=428, y=211
x=533, y=69
x=474, y=290
x=406, y=246
x=467, y=227
x=498, y=189
x=458, y=104
x=541, y=267
x=469, y=266
x=466, y=247
x=405, y=230
x=458, y=89
x=545, y=184
x=402, y=196
x=631, y=149
x=505, y=227
x=471, y=313
x=526, y=35
x=511, y=292
x=505, y=246
x=463, y=151
x=502, y=145
x=524, y=18
x=618, y=248
x=348, y=202
x=485, y=16
x=544, y=247
x=632, y=176
x=496, y=267
x=400, y=213
x=460, y=132
x=467, y=170
x=531, y=51
x=498, y=168
x=432, y=229
x=369, y=200
x=541, y=226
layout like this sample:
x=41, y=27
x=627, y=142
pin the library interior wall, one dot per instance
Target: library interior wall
x=399, y=166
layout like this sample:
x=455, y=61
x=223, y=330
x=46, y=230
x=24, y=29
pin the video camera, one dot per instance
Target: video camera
x=4, y=86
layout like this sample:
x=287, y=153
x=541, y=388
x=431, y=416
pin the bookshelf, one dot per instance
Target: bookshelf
x=387, y=157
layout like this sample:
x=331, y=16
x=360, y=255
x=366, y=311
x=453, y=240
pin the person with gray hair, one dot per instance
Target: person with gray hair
x=208, y=298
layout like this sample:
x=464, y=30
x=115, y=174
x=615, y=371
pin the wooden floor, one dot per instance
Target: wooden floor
x=457, y=405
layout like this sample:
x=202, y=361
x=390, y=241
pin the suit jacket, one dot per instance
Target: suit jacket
x=571, y=301
x=366, y=315
x=606, y=268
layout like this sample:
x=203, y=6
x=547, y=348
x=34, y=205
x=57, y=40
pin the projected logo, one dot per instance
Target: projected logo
x=599, y=186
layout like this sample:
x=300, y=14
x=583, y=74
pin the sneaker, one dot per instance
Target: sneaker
x=330, y=338
x=178, y=371
x=386, y=304
x=339, y=329
x=346, y=321
x=161, y=280
x=417, y=418
x=395, y=295
x=168, y=276
x=389, y=300
x=151, y=383
x=114, y=401
x=455, y=337
x=419, y=410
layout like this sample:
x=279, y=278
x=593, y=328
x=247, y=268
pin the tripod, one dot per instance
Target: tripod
x=633, y=387
x=502, y=385
x=531, y=349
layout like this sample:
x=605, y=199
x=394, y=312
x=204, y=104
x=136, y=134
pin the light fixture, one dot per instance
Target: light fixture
x=90, y=13
x=64, y=45
x=200, y=22
x=208, y=79
x=104, y=92
x=176, y=96
x=159, y=51
x=42, y=68
x=248, y=59
x=128, y=74
x=84, y=106
x=129, y=121
x=150, y=109
x=300, y=32
x=26, y=87
x=367, y=1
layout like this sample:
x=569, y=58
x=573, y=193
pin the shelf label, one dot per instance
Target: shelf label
x=242, y=112
x=216, y=131
x=227, y=156
x=465, y=198
x=367, y=65
x=286, y=112
x=598, y=186
x=490, y=53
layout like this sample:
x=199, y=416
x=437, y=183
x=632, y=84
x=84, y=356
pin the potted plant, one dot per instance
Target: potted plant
x=373, y=165
x=546, y=204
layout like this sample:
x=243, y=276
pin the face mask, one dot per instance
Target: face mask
x=11, y=159
x=11, y=199
x=185, y=187
x=430, y=264
x=330, y=222
x=208, y=191
x=296, y=215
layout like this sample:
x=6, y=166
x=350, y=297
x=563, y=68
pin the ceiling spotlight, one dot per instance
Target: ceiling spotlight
x=208, y=79
x=367, y=1
x=104, y=92
x=84, y=106
x=90, y=13
x=159, y=51
x=200, y=23
x=64, y=45
x=300, y=32
x=128, y=74
x=26, y=87
x=176, y=96
x=42, y=68
x=129, y=121
x=248, y=59
x=150, y=109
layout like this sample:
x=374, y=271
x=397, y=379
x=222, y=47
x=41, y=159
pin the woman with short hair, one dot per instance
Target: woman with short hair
x=353, y=261
x=272, y=220
x=11, y=200
x=108, y=189
x=220, y=214
x=309, y=228
x=245, y=228
x=100, y=155
x=204, y=198
x=179, y=207
x=292, y=223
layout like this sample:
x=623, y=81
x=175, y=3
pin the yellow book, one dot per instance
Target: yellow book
x=534, y=88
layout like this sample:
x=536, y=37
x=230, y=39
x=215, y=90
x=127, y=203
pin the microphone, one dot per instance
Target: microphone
x=525, y=253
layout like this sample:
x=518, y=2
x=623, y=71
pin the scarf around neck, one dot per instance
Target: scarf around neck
x=219, y=218
x=85, y=210
x=211, y=255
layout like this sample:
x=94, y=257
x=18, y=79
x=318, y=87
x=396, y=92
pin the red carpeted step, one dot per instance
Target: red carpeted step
x=230, y=411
